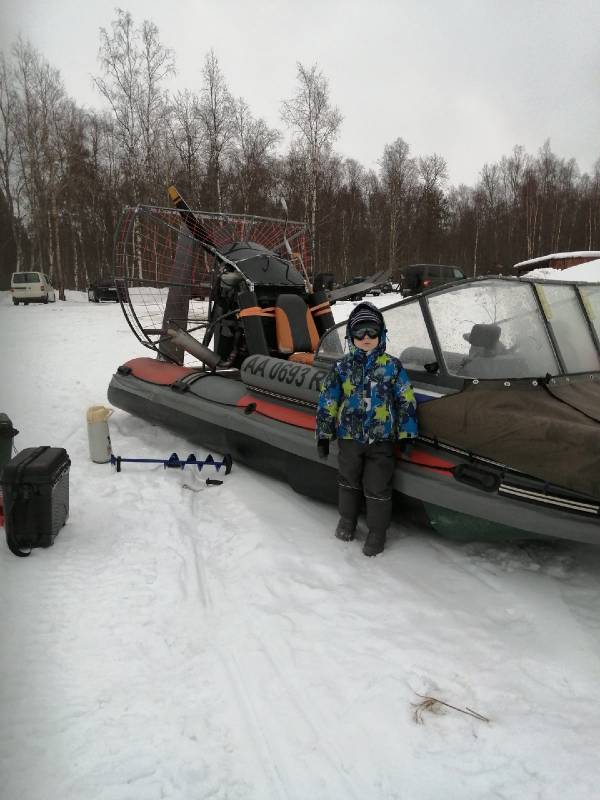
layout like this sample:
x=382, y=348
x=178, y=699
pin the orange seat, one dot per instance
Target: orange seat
x=302, y=358
x=295, y=329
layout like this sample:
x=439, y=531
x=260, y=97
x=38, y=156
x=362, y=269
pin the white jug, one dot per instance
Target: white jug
x=98, y=433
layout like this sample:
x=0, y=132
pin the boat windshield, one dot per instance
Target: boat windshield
x=407, y=337
x=567, y=318
x=493, y=328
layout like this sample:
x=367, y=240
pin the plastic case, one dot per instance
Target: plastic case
x=7, y=433
x=35, y=484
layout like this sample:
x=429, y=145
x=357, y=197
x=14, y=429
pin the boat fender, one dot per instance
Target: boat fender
x=477, y=477
x=287, y=378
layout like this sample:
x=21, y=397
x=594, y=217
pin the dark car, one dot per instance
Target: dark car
x=382, y=288
x=356, y=280
x=419, y=277
x=324, y=281
x=103, y=289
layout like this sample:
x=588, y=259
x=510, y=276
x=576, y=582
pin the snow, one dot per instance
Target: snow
x=589, y=272
x=570, y=254
x=184, y=641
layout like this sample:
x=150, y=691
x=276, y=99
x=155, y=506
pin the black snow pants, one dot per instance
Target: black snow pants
x=366, y=469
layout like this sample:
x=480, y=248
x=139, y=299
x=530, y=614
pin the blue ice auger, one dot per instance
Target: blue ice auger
x=174, y=462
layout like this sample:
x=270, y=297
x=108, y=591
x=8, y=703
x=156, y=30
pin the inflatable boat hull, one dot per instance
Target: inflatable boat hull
x=275, y=435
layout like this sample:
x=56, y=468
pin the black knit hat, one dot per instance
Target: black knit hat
x=365, y=315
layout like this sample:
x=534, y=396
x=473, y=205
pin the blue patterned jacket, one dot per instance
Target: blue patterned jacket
x=367, y=397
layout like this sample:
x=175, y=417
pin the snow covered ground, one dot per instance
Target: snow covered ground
x=183, y=641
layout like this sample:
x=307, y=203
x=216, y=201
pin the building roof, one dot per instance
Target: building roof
x=591, y=254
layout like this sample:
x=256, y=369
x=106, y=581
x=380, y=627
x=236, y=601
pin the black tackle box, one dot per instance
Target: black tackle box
x=7, y=433
x=35, y=484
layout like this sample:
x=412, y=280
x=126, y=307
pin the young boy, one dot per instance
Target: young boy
x=367, y=403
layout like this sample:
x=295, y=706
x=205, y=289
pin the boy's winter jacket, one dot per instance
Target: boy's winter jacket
x=367, y=396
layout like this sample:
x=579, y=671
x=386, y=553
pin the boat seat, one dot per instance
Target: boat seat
x=484, y=340
x=295, y=329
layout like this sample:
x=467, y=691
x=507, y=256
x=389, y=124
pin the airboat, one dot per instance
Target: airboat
x=506, y=372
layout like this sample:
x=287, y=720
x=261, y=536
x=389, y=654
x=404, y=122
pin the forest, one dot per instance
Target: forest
x=67, y=171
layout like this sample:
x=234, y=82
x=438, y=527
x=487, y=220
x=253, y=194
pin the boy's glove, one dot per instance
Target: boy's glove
x=323, y=448
x=405, y=445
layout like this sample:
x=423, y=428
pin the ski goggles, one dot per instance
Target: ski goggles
x=366, y=330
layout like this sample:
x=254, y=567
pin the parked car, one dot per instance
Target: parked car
x=31, y=287
x=324, y=281
x=103, y=289
x=356, y=280
x=418, y=277
x=382, y=288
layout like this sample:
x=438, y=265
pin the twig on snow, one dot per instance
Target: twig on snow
x=432, y=704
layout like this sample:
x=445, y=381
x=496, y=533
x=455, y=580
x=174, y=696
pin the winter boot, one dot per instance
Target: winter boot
x=345, y=529
x=379, y=515
x=349, y=502
x=374, y=543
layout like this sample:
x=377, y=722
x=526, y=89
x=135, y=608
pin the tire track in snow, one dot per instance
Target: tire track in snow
x=269, y=744
x=212, y=604
x=260, y=741
x=209, y=586
x=195, y=552
x=295, y=701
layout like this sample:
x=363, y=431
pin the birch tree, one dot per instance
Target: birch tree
x=315, y=123
x=218, y=119
x=43, y=104
x=186, y=134
x=433, y=174
x=135, y=65
x=11, y=182
x=398, y=176
x=252, y=155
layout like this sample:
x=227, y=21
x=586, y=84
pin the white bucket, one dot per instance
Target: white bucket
x=98, y=433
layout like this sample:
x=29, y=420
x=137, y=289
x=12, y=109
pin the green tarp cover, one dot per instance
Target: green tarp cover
x=551, y=432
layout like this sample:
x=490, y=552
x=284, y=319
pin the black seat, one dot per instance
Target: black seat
x=297, y=335
x=484, y=340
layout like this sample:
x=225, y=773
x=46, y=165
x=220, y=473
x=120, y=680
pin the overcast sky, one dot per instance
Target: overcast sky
x=468, y=79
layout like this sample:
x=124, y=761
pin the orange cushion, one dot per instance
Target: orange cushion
x=312, y=330
x=303, y=358
x=285, y=342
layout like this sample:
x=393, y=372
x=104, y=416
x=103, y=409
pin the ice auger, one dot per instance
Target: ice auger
x=174, y=462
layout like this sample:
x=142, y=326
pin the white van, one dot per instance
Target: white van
x=31, y=287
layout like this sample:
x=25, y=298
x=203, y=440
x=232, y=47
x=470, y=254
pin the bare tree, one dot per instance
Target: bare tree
x=352, y=217
x=11, y=181
x=252, y=153
x=218, y=118
x=186, y=132
x=135, y=64
x=433, y=174
x=316, y=125
x=43, y=106
x=398, y=177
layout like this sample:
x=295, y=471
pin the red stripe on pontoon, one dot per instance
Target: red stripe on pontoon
x=288, y=415
x=423, y=459
x=161, y=372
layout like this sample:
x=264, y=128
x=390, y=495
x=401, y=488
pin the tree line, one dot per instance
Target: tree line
x=67, y=171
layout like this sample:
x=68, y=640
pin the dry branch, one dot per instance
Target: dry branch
x=433, y=704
